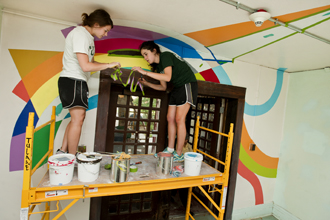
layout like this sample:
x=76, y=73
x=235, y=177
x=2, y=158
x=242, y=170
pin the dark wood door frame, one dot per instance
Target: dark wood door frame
x=235, y=97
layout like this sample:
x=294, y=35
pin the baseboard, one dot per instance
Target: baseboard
x=253, y=212
x=280, y=213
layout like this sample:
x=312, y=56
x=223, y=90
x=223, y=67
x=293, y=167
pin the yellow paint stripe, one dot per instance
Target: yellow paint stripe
x=124, y=61
x=45, y=94
x=199, y=77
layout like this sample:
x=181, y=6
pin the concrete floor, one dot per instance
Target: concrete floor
x=177, y=211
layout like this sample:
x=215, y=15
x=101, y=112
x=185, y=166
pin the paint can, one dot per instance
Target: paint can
x=61, y=168
x=164, y=164
x=88, y=166
x=120, y=169
x=192, y=163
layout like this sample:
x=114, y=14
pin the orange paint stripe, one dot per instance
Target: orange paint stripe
x=221, y=34
x=258, y=156
x=42, y=73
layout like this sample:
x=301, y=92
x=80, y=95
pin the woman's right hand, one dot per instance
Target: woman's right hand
x=143, y=81
x=114, y=65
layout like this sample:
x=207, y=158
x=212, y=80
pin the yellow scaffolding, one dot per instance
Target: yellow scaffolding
x=33, y=196
x=225, y=176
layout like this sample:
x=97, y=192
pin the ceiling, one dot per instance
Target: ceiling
x=223, y=28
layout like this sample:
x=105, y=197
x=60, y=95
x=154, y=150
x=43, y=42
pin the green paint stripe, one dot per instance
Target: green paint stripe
x=265, y=45
x=307, y=16
x=317, y=23
x=254, y=166
x=121, y=55
x=136, y=50
x=245, y=35
x=273, y=27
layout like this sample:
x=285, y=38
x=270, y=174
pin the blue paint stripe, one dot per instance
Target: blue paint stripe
x=182, y=49
x=22, y=121
x=92, y=103
x=222, y=75
x=256, y=110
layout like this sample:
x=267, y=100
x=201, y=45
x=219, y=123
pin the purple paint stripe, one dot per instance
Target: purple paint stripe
x=66, y=31
x=104, y=46
x=16, y=159
x=133, y=33
x=125, y=32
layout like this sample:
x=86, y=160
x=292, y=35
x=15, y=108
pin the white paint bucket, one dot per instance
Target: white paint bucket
x=88, y=166
x=192, y=163
x=61, y=168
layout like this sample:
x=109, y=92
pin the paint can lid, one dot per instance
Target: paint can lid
x=192, y=156
x=60, y=160
x=89, y=157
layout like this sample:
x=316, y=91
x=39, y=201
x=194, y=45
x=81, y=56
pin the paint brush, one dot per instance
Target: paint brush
x=136, y=163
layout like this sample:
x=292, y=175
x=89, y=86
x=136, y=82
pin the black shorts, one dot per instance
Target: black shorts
x=182, y=95
x=73, y=92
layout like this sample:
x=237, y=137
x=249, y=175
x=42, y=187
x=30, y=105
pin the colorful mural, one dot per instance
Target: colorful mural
x=39, y=72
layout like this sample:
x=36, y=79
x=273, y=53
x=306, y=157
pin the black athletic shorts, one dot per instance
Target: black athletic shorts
x=182, y=95
x=73, y=92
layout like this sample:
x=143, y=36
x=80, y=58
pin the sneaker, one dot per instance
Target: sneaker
x=59, y=151
x=177, y=157
x=164, y=151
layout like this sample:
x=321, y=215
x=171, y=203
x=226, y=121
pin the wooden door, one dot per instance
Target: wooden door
x=136, y=125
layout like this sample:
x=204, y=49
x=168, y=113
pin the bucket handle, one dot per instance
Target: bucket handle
x=89, y=171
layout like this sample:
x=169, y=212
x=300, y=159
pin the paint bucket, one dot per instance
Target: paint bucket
x=164, y=164
x=192, y=163
x=88, y=166
x=120, y=169
x=61, y=168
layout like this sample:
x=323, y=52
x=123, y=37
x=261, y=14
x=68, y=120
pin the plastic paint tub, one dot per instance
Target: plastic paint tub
x=192, y=163
x=88, y=167
x=61, y=168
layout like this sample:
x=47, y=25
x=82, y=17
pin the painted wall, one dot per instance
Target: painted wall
x=30, y=63
x=304, y=167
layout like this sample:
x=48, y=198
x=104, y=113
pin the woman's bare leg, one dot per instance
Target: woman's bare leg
x=171, y=126
x=65, y=139
x=180, y=119
x=73, y=130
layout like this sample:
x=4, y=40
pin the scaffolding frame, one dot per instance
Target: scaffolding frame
x=33, y=196
x=225, y=177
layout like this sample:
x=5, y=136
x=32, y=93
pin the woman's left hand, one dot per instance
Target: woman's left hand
x=140, y=70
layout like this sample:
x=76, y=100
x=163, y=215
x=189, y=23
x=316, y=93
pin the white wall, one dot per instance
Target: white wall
x=19, y=32
x=31, y=34
x=304, y=167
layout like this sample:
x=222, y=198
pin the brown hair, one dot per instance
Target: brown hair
x=99, y=16
x=151, y=45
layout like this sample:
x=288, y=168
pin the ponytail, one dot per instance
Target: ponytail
x=99, y=16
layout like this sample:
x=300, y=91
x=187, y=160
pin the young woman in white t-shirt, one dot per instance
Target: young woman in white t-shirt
x=78, y=62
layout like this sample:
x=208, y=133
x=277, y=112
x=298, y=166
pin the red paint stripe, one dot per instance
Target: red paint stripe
x=210, y=76
x=21, y=92
x=253, y=180
x=103, y=46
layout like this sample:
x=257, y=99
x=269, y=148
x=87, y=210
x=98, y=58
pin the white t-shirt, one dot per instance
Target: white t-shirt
x=79, y=40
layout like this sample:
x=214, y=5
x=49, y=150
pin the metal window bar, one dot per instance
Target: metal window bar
x=225, y=174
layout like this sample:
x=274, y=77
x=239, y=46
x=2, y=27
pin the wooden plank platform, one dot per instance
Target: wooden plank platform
x=103, y=186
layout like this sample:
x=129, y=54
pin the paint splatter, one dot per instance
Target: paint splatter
x=269, y=35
